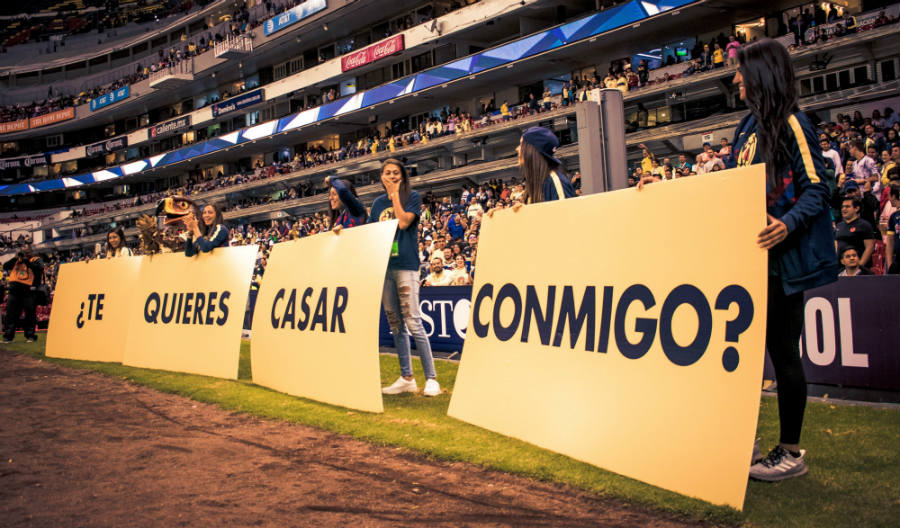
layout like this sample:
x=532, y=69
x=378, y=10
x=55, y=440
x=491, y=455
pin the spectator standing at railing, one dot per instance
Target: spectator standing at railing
x=732, y=50
x=798, y=236
x=643, y=72
x=705, y=59
x=647, y=159
x=718, y=56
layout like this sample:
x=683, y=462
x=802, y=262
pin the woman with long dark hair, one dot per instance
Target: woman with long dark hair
x=115, y=243
x=799, y=237
x=400, y=296
x=344, y=206
x=207, y=233
x=545, y=176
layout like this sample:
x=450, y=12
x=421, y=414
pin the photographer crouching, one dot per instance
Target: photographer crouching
x=25, y=273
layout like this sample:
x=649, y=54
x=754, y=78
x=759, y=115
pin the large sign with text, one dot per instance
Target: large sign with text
x=186, y=313
x=91, y=303
x=372, y=53
x=170, y=127
x=315, y=329
x=445, y=314
x=238, y=102
x=104, y=147
x=13, y=126
x=293, y=15
x=22, y=162
x=851, y=333
x=110, y=97
x=635, y=348
x=52, y=118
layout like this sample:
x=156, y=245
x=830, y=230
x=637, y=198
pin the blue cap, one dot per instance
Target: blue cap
x=544, y=141
x=849, y=184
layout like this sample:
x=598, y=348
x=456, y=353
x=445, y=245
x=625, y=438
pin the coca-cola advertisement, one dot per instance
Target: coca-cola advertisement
x=372, y=53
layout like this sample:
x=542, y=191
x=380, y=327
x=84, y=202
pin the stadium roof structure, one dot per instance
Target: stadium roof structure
x=527, y=47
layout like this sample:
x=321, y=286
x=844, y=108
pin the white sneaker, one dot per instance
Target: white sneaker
x=779, y=464
x=401, y=385
x=432, y=388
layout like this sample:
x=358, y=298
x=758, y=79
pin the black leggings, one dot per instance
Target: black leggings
x=783, y=328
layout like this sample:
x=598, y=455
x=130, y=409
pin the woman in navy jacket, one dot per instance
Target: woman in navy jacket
x=206, y=234
x=345, y=208
x=798, y=236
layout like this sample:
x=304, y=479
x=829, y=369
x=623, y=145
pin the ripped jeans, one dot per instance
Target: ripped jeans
x=400, y=299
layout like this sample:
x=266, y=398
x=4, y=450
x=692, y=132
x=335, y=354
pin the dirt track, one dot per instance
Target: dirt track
x=82, y=449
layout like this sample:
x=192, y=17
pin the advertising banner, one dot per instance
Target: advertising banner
x=170, y=127
x=23, y=161
x=13, y=126
x=315, y=329
x=238, y=102
x=103, y=147
x=445, y=314
x=372, y=53
x=52, y=118
x=293, y=15
x=186, y=313
x=851, y=333
x=91, y=304
x=110, y=97
x=634, y=349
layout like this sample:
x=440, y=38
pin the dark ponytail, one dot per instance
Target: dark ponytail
x=771, y=95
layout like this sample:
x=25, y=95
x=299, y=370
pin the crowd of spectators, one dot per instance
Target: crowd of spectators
x=242, y=21
x=112, y=16
x=864, y=155
x=820, y=26
x=447, y=122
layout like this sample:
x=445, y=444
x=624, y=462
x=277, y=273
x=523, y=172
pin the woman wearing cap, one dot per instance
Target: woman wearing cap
x=798, y=237
x=400, y=296
x=345, y=208
x=205, y=234
x=545, y=176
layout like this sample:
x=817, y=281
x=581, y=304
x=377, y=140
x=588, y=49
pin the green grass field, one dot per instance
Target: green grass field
x=852, y=450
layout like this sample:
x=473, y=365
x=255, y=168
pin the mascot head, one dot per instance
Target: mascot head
x=167, y=231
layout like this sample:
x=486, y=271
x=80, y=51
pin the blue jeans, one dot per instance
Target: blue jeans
x=400, y=299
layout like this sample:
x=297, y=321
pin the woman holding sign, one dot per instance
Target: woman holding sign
x=798, y=237
x=545, y=175
x=400, y=297
x=345, y=208
x=206, y=234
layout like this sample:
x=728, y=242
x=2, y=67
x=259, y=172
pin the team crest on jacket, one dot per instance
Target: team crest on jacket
x=387, y=214
x=748, y=151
